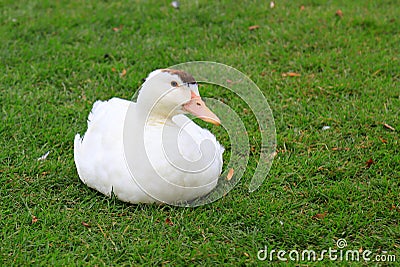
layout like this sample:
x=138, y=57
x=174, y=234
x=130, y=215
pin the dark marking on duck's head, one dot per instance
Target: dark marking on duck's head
x=184, y=76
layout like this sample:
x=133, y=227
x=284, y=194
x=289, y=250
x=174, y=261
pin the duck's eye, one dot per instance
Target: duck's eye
x=174, y=84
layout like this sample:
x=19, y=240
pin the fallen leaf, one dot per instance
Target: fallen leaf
x=319, y=216
x=383, y=140
x=254, y=27
x=169, y=222
x=339, y=13
x=86, y=225
x=34, y=219
x=123, y=73
x=369, y=163
x=230, y=175
x=302, y=8
x=291, y=74
x=393, y=207
x=387, y=126
x=117, y=29
x=113, y=69
x=233, y=82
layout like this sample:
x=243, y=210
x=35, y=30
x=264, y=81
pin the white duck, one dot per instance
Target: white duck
x=148, y=151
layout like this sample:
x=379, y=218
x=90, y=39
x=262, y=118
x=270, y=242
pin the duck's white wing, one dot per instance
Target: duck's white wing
x=191, y=138
x=99, y=154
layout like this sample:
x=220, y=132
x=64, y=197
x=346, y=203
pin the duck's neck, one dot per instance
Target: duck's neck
x=153, y=119
x=158, y=121
x=153, y=116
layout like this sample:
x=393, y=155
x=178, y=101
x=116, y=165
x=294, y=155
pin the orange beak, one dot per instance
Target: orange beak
x=198, y=108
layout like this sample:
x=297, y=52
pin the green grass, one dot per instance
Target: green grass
x=53, y=67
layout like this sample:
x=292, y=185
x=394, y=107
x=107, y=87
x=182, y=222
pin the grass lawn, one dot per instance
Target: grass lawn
x=58, y=57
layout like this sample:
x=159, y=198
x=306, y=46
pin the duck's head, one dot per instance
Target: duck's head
x=167, y=92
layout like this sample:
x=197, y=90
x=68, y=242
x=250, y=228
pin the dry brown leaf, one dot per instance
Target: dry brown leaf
x=113, y=69
x=254, y=27
x=302, y=8
x=230, y=174
x=369, y=163
x=339, y=13
x=387, y=126
x=383, y=140
x=86, y=225
x=117, y=29
x=233, y=82
x=123, y=73
x=393, y=207
x=168, y=221
x=291, y=74
x=319, y=216
x=34, y=219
